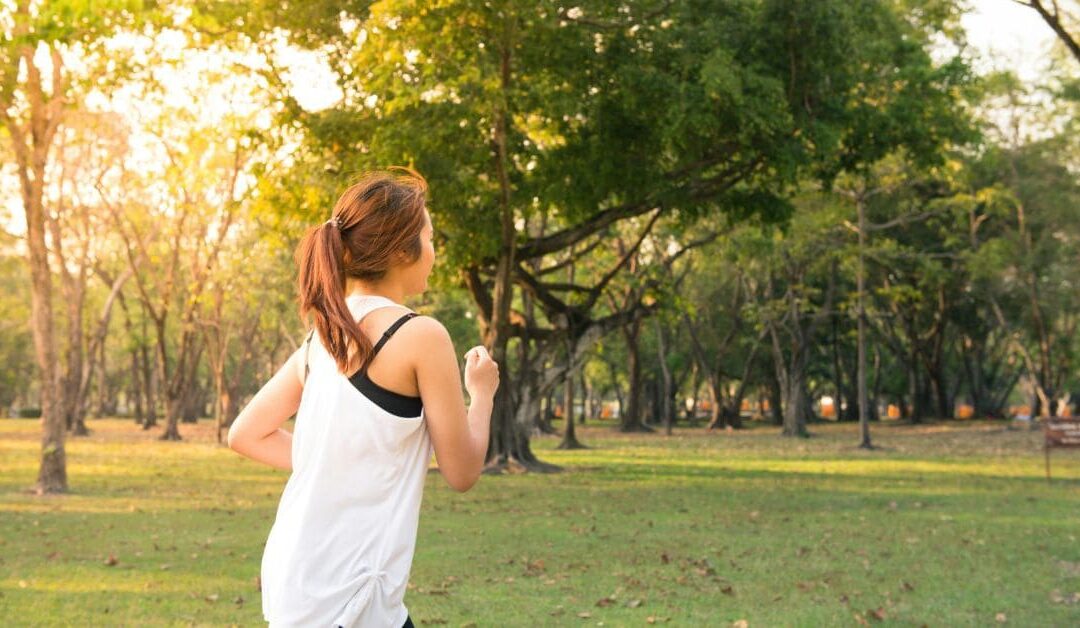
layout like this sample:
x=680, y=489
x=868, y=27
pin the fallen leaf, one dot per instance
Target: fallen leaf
x=727, y=590
x=1057, y=598
x=1000, y=618
x=604, y=601
x=633, y=603
x=664, y=558
x=111, y=560
x=844, y=599
x=906, y=586
x=213, y=597
x=740, y=623
x=877, y=613
x=584, y=614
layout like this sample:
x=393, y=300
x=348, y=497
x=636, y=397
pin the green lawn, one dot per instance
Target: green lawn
x=950, y=524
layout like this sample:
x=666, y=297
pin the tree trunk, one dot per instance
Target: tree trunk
x=137, y=394
x=776, y=401
x=547, y=412
x=716, y=406
x=875, y=392
x=71, y=387
x=174, y=408
x=630, y=421
x=569, y=439
x=31, y=140
x=941, y=397
x=587, y=398
x=221, y=397
x=150, y=381
x=651, y=412
x=841, y=393
x=914, y=388
x=790, y=378
x=52, y=474
x=105, y=392
x=666, y=388
x=860, y=312
x=794, y=401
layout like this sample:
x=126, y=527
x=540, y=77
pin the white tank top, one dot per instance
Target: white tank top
x=341, y=547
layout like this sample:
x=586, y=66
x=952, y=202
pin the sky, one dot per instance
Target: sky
x=1009, y=36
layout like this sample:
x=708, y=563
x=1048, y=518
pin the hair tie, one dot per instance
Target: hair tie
x=335, y=221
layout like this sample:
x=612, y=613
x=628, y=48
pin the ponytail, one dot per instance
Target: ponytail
x=374, y=220
x=321, y=283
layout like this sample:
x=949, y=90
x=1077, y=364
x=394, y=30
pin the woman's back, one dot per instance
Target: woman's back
x=341, y=547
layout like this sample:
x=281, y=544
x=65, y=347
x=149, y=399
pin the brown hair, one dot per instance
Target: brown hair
x=377, y=217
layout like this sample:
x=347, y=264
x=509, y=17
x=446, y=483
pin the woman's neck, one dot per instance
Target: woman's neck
x=355, y=287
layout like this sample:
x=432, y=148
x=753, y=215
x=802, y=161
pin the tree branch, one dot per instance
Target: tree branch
x=1053, y=20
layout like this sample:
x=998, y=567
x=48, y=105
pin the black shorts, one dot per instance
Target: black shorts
x=408, y=623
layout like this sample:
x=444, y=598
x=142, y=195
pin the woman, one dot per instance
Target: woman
x=374, y=387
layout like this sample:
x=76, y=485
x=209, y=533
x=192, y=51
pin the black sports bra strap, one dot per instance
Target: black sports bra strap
x=307, y=351
x=386, y=336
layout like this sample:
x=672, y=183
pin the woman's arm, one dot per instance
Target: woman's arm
x=256, y=432
x=460, y=436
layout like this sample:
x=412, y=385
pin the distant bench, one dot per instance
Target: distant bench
x=1061, y=433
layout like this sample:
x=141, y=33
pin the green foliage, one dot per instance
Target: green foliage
x=695, y=106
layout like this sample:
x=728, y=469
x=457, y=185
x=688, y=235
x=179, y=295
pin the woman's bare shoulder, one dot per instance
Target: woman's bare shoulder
x=422, y=328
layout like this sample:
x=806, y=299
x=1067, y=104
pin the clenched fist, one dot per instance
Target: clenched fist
x=481, y=373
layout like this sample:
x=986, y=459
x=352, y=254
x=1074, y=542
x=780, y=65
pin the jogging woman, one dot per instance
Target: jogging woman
x=374, y=388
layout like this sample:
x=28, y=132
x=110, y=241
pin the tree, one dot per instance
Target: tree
x=35, y=87
x=594, y=115
x=90, y=145
x=714, y=309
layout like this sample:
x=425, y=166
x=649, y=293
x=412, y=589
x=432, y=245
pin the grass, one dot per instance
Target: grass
x=949, y=524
